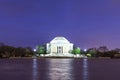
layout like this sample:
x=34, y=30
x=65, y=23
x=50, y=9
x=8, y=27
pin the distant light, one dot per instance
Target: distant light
x=34, y=50
x=85, y=50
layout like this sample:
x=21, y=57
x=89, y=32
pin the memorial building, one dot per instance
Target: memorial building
x=59, y=46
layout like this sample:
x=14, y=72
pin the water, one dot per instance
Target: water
x=59, y=69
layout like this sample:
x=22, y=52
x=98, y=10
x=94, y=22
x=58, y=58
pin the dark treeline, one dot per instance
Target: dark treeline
x=7, y=51
x=10, y=51
x=102, y=51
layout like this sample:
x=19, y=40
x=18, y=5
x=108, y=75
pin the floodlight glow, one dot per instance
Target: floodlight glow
x=34, y=50
x=85, y=50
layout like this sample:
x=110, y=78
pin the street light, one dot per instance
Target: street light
x=34, y=50
x=85, y=50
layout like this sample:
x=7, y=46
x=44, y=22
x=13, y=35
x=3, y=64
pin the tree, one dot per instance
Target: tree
x=92, y=52
x=76, y=51
x=6, y=51
x=19, y=52
x=41, y=49
x=28, y=51
x=102, y=49
x=10, y=51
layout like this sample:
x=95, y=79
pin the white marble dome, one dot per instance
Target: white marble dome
x=60, y=40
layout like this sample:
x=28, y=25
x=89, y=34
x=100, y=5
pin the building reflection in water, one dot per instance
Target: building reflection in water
x=35, y=69
x=85, y=69
x=60, y=69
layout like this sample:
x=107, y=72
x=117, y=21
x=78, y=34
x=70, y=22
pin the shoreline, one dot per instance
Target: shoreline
x=59, y=58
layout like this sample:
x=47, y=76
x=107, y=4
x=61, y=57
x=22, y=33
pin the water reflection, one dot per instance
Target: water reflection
x=85, y=69
x=60, y=69
x=35, y=69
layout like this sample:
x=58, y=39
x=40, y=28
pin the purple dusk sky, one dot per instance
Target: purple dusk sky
x=86, y=23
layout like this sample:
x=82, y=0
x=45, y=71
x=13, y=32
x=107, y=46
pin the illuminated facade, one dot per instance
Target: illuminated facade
x=59, y=46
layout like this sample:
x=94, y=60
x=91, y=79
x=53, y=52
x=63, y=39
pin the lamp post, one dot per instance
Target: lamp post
x=34, y=52
x=85, y=50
